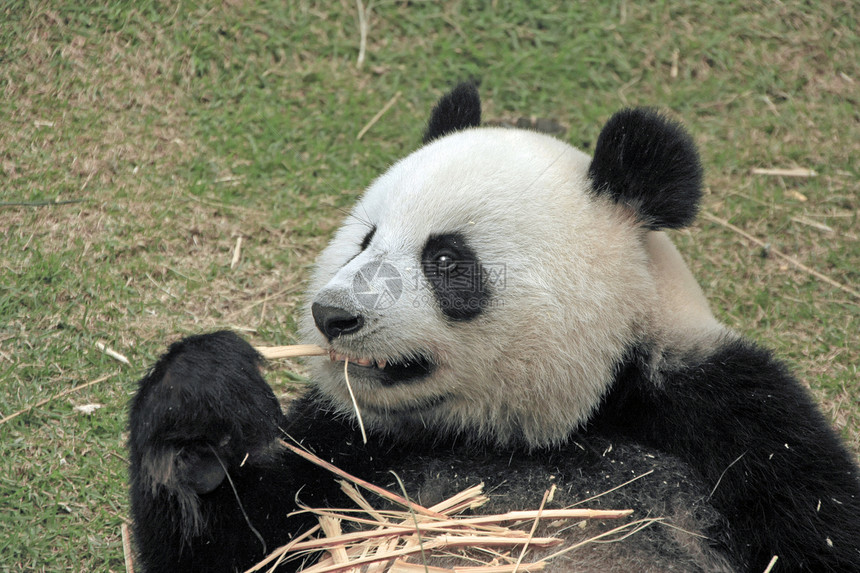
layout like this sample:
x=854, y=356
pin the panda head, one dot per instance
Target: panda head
x=494, y=280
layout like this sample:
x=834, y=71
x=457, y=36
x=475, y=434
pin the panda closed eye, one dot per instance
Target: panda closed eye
x=367, y=238
x=365, y=242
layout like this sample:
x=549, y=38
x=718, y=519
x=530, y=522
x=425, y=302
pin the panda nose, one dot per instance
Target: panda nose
x=334, y=321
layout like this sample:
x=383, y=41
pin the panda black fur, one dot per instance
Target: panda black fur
x=594, y=361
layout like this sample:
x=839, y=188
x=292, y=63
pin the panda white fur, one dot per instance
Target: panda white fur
x=512, y=315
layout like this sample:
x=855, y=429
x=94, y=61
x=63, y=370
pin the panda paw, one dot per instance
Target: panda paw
x=202, y=409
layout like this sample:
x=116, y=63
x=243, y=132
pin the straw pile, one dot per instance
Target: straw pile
x=403, y=541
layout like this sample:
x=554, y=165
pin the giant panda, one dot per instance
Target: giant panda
x=511, y=313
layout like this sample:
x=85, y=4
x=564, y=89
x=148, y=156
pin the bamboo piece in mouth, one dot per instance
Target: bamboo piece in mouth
x=291, y=351
x=294, y=350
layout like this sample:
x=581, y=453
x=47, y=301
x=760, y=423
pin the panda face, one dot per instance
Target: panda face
x=477, y=278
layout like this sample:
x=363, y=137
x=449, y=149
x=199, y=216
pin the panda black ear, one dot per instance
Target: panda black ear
x=647, y=162
x=458, y=109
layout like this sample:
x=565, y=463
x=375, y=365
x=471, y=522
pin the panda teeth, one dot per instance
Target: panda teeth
x=335, y=357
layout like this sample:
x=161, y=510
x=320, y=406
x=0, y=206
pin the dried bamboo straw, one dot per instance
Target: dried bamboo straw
x=291, y=351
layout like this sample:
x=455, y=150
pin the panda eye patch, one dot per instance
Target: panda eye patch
x=455, y=274
x=367, y=238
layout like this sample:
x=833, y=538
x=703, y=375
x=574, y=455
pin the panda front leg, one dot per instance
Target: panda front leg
x=210, y=488
x=778, y=472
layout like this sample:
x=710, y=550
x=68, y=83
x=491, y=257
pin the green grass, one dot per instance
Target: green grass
x=175, y=128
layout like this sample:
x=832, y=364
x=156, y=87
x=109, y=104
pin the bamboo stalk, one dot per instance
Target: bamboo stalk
x=278, y=553
x=291, y=351
x=127, y=552
x=358, y=481
x=379, y=114
x=397, y=535
x=783, y=172
x=437, y=543
x=54, y=397
x=791, y=260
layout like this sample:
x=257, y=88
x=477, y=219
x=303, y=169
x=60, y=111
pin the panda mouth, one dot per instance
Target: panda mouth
x=388, y=372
